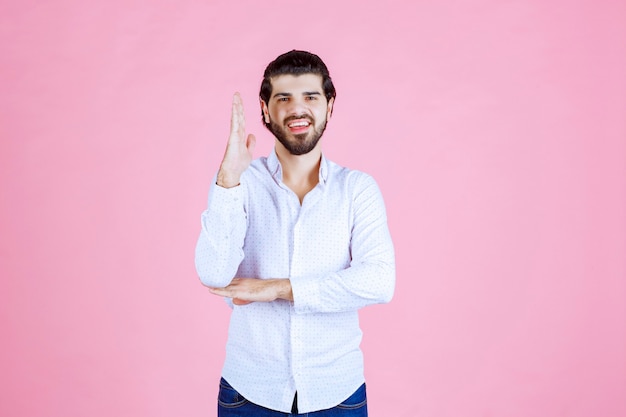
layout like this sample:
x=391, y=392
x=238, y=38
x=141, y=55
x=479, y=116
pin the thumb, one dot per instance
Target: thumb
x=251, y=143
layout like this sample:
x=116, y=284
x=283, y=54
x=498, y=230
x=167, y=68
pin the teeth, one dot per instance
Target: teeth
x=299, y=124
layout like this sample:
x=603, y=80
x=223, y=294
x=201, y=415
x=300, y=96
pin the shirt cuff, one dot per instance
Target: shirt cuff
x=225, y=199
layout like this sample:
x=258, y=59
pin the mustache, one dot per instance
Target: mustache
x=299, y=117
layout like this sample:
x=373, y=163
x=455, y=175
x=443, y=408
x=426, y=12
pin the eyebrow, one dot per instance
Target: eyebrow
x=282, y=95
x=306, y=93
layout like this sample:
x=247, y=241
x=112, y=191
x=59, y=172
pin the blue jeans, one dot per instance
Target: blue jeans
x=232, y=404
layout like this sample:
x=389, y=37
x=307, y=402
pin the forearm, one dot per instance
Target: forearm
x=360, y=285
x=219, y=249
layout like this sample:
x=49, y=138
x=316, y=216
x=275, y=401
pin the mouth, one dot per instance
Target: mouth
x=298, y=126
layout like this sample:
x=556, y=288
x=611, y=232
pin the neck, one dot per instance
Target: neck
x=300, y=172
x=299, y=167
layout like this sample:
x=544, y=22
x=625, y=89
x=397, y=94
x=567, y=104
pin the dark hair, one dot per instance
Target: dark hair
x=295, y=63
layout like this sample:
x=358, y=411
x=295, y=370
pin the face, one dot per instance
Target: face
x=297, y=111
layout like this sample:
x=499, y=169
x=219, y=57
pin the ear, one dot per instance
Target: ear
x=265, y=110
x=329, y=111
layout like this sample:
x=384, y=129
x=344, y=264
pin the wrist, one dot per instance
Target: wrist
x=226, y=179
x=284, y=290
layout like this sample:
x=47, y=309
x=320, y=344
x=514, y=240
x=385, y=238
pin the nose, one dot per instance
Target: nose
x=297, y=106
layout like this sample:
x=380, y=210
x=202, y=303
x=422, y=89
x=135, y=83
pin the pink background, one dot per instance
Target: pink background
x=496, y=130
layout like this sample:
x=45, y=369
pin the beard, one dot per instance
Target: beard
x=297, y=144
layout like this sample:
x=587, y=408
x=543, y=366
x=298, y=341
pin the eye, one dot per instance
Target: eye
x=283, y=99
x=311, y=97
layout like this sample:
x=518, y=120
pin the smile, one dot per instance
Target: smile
x=299, y=123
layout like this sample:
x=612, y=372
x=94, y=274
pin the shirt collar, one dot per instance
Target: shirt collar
x=275, y=169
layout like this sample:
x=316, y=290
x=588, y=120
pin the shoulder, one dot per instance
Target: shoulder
x=351, y=179
x=358, y=188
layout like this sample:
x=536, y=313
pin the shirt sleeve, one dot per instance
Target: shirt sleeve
x=219, y=250
x=370, y=278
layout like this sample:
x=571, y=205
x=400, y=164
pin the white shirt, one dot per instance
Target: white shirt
x=336, y=250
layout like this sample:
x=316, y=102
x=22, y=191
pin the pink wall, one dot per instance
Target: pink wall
x=497, y=133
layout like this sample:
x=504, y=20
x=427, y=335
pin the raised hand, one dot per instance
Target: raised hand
x=239, y=149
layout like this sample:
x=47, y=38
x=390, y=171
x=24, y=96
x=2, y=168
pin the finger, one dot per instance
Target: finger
x=235, y=115
x=222, y=292
x=241, y=116
x=240, y=302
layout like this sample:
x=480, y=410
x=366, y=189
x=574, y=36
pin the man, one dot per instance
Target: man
x=296, y=244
